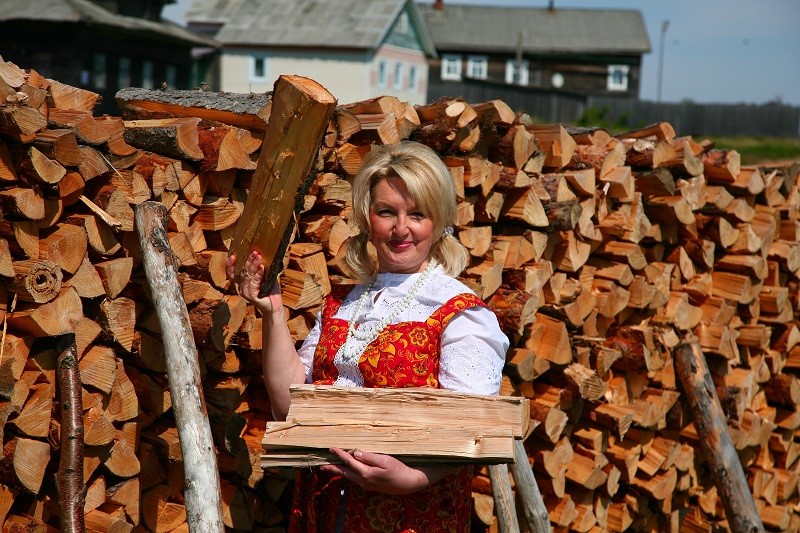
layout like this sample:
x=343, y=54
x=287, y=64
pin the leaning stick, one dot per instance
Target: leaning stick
x=533, y=509
x=503, y=499
x=709, y=420
x=69, y=479
x=202, y=492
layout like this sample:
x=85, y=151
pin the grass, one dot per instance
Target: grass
x=760, y=150
x=754, y=150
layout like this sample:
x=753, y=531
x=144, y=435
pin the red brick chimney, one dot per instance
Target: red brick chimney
x=438, y=4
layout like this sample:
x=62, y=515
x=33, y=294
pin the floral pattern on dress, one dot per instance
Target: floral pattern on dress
x=404, y=355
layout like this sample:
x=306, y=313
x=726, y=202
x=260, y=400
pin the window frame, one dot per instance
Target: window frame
x=382, y=74
x=454, y=61
x=124, y=72
x=403, y=25
x=171, y=76
x=99, y=71
x=612, y=85
x=397, y=76
x=524, y=72
x=254, y=61
x=478, y=67
x=413, y=78
x=148, y=74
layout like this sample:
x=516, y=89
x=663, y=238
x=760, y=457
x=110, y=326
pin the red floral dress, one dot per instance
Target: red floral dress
x=405, y=354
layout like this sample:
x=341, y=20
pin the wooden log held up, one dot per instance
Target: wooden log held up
x=301, y=110
x=712, y=430
x=202, y=492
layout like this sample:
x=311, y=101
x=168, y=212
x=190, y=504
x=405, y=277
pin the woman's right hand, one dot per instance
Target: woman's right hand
x=249, y=283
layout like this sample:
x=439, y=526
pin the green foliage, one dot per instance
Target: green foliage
x=759, y=150
x=596, y=117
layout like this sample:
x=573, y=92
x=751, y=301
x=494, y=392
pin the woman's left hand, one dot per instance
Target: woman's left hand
x=384, y=473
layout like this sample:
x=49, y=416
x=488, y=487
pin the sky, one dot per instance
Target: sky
x=715, y=51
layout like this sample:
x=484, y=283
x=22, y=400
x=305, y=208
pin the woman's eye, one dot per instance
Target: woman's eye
x=418, y=216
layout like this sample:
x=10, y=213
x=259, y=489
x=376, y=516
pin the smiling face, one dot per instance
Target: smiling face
x=400, y=231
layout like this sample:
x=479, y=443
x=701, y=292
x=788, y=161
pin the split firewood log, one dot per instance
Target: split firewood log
x=250, y=111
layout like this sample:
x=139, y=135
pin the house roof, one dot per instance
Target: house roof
x=84, y=11
x=356, y=24
x=481, y=28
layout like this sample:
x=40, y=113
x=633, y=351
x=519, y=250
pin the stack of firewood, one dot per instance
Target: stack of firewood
x=598, y=253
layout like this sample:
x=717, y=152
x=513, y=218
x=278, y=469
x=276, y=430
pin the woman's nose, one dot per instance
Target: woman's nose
x=400, y=225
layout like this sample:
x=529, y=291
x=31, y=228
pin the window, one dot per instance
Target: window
x=402, y=23
x=99, y=71
x=412, y=78
x=124, y=73
x=617, y=78
x=398, y=76
x=477, y=67
x=171, y=75
x=147, y=74
x=517, y=72
x=382, y=74
x=258, y=68
x=451, y=67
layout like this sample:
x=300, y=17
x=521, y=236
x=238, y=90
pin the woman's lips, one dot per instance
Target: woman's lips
x=399, y=245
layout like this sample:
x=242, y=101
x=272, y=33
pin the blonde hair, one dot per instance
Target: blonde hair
x=431, y=186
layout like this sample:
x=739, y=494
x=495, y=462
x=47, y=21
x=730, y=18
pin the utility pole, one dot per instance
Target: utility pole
x=664, y=26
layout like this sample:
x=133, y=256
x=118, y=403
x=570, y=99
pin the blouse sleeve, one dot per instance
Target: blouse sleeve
x=473, y=352
x=309, y=346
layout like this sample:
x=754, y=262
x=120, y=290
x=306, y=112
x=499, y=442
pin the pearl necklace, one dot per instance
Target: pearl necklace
x=351, y=351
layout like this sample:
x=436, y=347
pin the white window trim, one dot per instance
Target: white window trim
x=252, y=66
x=478, y=67
x=447, y=61
x=611, y=84
x=511, y=65
x=397, y=80
x=382, y=73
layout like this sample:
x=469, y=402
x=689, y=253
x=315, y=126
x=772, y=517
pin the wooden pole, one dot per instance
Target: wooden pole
x=504, y=506
x=712, y=430
x=202, y=488
x=535, y=513
x=69, y=479
x=301, y=110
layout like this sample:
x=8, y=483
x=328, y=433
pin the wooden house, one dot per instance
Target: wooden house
x=356, y=49
x=102, y=45
x=588, y=52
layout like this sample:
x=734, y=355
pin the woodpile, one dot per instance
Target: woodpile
x=598, y=253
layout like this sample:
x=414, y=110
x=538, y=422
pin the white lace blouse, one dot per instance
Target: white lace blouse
x=473, y=348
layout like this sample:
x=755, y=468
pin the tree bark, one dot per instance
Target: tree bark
x=69, y=479
x=202, y=493
x=712, y=430
x=536, y=517
x=503, y=499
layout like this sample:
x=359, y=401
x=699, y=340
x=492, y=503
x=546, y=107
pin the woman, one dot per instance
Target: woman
x=410, y=323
